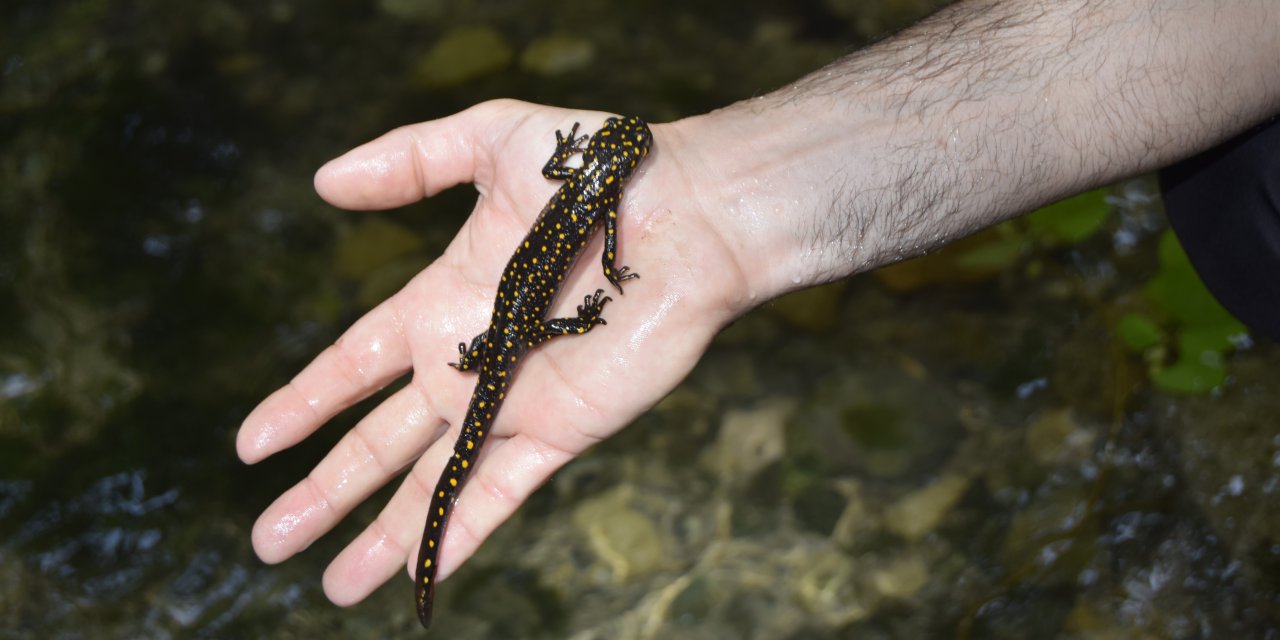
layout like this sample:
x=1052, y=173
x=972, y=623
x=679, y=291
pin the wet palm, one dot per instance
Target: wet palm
x=566, y=397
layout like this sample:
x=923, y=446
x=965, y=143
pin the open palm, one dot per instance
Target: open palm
x=567, y=395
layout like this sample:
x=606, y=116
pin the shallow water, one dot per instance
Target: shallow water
x=870, y=460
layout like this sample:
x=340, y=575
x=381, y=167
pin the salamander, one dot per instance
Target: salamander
x=588, y=198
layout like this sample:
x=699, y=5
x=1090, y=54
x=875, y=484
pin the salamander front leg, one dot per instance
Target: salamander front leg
x=588, y=317
x=616, y=275
x=469, y=356
x=566, y=146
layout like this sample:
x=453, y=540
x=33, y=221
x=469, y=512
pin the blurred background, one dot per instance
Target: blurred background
x=1047, y=430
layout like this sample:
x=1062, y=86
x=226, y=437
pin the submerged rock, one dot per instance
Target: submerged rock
x=558, y=54
x=621, y=536
x=463, y=54
x=1230, y=458
x=417, y=10
x=1056, y=438
x=830, y=589
x=750, y=440
x=920, y=512
x=901, y=577
x=1052, y=538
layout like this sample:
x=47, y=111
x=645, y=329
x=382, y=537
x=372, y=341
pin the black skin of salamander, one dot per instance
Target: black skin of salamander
x=587, y=199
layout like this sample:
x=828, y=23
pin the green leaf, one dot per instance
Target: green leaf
x=1169, y=252
x=1071, y=220
x=1138, y=332
x=1205, y=331
x=1215, y=338
x=1189, y=377
x=1201, y=364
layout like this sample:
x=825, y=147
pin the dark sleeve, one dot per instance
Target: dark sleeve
x=1224, y=205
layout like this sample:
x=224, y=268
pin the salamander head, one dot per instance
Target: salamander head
x=619, y=146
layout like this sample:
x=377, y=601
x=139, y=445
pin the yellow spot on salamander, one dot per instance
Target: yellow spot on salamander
x=440, y=511
x=608, y=179
x=431, y=543
x=426, y=579
x=471, y=445
x=465, y=464
x=453, y=482
x=427, y=564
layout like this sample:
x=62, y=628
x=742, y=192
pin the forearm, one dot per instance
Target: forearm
x=980, y=112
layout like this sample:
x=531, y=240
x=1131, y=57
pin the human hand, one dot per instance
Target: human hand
x=567, y=395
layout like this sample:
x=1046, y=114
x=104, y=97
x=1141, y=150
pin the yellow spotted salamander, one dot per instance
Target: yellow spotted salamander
x=588, y=198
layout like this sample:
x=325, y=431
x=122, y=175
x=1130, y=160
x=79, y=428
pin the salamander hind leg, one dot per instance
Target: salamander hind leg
x=588, y=317
x=566, y=146
x=619, y=275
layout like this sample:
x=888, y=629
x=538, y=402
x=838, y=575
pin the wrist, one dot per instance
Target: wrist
x=768, y=174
